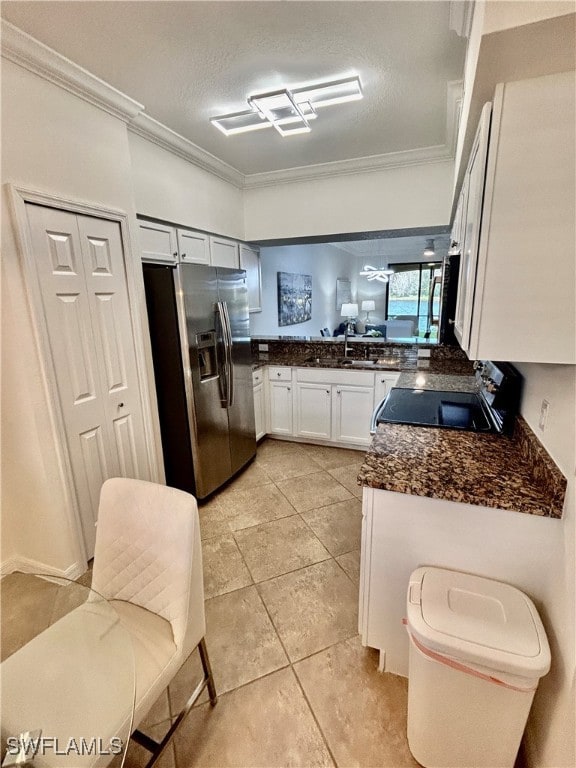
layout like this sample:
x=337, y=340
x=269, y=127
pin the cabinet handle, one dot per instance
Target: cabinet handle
x=451, y=322
x=338, y=392
x=175, y=254
x=327, y=391
x=183, y=256
x=288, y=388
x=278, y=374
x=120, y=405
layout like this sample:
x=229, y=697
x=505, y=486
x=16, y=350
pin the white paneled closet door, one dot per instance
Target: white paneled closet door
x=80, y=264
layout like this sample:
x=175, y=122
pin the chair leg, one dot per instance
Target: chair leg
x=157, y=748
x=208, y=672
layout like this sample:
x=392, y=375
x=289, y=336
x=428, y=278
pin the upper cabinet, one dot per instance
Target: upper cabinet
x=250, y=261
x=158, y=242
x=517, y=298
x=193, y=247
x=224, y=253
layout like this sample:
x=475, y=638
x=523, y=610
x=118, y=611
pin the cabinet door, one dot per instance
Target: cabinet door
x=351, y=413
x=280, y=408
x=158, y=242
x=250, y=261
x=383, y=383
x=193, y=247
x=259, y=411
x=224, y=253
x=474, y=188
x=313, y=410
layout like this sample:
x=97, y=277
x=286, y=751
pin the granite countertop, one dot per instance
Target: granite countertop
x=511, y=473
x=395, y=363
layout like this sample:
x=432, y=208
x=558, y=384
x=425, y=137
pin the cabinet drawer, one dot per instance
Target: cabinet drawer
x=335, y=376
x=279, y=373
x=258, y=376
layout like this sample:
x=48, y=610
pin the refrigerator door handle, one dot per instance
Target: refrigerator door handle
x=230, y=372
x=223, y=369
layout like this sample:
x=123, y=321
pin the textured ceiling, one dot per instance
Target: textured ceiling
x=189, y=61
x=382, y=251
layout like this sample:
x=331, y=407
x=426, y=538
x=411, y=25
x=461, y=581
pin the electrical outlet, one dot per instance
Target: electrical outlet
x=424, y=353
x=262, y=347
x=543, y=415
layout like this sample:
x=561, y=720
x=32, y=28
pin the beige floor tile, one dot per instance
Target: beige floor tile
x=312, y=608
x=347, y=477
x=250, y=506
x=138, y=757
x=185, y=681
x=338, y=526
x=330, y=458
x=266, y=724
x=351, y=564
x=213, y=522
x=242, y=642
x=269, y=447
x=361, y=712
x=159, y=712
x=251, y=476
x=313, y=491
x=279, y=546
x=224, y=569
x=287, y=464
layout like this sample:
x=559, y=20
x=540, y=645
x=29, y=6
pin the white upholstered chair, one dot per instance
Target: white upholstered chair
x=148, y=565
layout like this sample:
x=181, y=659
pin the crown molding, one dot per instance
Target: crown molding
x=435, y=154
x=150, y=129
x=31, y=54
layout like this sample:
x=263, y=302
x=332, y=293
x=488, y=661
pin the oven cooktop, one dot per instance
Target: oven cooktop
x=492, y=408
x=429, y=408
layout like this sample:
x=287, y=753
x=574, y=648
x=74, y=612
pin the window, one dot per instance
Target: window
x=414, y=294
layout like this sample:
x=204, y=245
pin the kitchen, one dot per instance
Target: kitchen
x=58, y=142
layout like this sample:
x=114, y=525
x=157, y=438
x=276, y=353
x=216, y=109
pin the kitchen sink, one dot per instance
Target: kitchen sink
x=325, y=362
x=357, y=363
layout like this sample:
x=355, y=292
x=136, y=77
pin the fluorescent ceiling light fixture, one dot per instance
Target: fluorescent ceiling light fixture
x=289, y=110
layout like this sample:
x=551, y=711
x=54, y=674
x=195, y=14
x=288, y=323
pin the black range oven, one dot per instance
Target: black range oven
x=491, y=408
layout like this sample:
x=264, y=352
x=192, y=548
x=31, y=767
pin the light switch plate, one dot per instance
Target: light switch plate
x=543, y=415
x=423, y=353
x=262, y=347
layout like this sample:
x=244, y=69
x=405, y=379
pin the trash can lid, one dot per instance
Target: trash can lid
x=478, y=620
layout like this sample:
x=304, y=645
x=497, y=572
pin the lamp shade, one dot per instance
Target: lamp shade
x=368, y=306
x=349, y=310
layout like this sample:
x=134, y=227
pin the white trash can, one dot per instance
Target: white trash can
x=477, y=652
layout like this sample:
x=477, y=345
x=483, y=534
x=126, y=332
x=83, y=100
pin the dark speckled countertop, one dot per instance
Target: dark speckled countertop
x=512, y=473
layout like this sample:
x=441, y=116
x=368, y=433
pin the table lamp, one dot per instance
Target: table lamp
x=368, y=306
x=349, y=311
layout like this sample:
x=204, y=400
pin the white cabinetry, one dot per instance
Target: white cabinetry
x=193, y=247
x=352, y=408
x=224, y=253
x=383, y=383
x=280, y=398
x=313, y=410
x=259, y=403
x=517, y=298
x=250, y=261
x=334, y=405
x=158, y=242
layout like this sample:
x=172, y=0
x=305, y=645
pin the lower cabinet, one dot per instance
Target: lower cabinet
x=259, y=411
x=280, y=395
x=383, y=383
x=352, y=411
x=313, y=410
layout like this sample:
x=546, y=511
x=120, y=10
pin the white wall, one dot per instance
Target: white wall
x=51, y=142
x=325, y=263
x=395, y=198
x=550, y=734
x=503, y=14
x=170, y=188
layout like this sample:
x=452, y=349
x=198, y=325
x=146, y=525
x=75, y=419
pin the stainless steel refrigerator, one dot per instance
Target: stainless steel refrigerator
x=200, y=337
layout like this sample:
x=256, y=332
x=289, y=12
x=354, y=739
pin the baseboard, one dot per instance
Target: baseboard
x=28, y=565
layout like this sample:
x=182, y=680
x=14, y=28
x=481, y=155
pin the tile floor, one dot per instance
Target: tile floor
x=281, y=549
x=281, y=567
